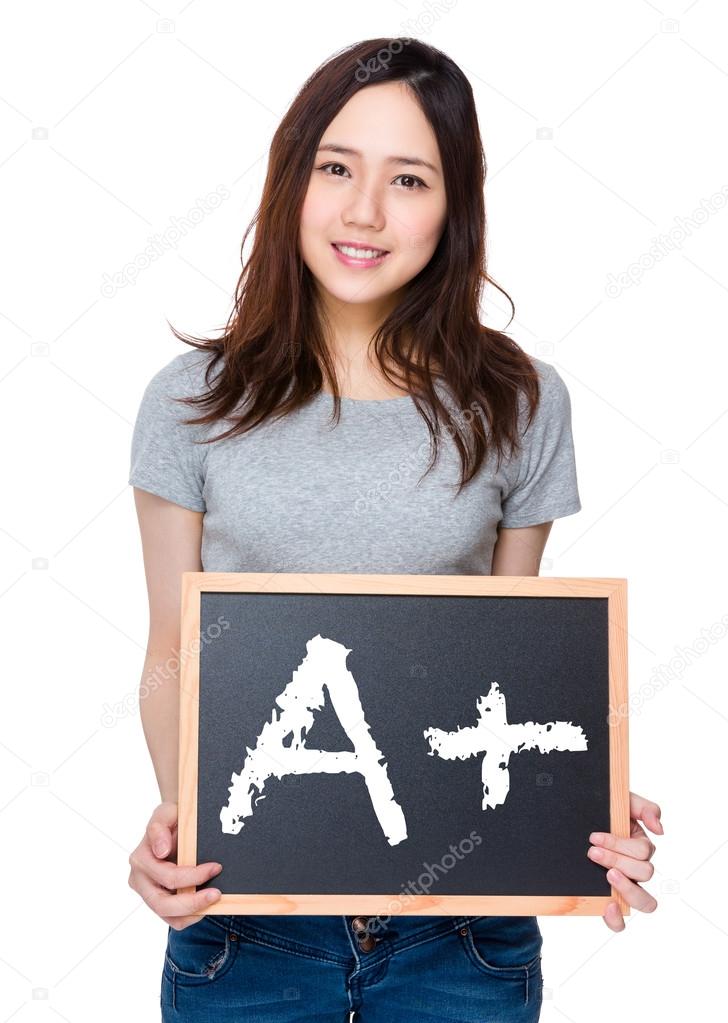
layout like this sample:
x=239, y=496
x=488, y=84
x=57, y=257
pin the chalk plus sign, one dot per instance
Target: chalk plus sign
x=496, y=740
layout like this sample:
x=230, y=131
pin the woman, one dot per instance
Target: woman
x=360, y=298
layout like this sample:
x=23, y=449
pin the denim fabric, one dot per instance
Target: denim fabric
x=277, y=969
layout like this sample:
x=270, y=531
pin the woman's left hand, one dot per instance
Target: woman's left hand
x=628, y=858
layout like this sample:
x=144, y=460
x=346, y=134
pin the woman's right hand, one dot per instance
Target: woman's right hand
x=155, y=874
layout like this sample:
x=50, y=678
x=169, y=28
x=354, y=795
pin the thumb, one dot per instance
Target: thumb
x=159, y=830
x=647, y=811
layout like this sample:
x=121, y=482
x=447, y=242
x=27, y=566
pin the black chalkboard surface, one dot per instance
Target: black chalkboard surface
x=422, y=744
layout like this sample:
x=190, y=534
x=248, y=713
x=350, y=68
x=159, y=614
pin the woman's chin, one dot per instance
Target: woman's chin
x=355, y=293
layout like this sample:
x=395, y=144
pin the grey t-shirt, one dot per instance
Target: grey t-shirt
x=303, y=494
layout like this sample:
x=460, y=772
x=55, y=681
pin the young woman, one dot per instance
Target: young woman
x=356, y=417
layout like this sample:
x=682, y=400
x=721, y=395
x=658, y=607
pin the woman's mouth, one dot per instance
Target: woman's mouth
x=351, y=256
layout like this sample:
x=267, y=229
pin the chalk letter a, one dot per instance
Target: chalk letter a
x=323, y=665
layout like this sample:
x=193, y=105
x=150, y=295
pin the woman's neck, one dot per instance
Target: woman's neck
x=358, y=378
x=350, y=330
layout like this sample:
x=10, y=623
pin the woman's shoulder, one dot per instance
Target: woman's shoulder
x=548, y=375
x=184, y=375
x=164, y=409
x=553, y=400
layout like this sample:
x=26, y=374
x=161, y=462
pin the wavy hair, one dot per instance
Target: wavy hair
x=273, y=349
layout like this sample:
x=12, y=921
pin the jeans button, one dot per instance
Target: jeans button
x=366, y=941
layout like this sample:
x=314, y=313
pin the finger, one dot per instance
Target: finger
x=639, y=848
x=177, y=906
x=638, y=831
x=173, y=875
x=172, y=906
x=167, y=873
x=633, y=895
x=613, y=917
x=639, y=870
x=161, y=829
x=645, y=810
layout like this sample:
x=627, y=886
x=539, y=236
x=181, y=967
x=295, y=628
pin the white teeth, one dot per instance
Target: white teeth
x=359, y=253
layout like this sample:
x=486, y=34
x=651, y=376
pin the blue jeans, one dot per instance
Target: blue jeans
x=277, y=969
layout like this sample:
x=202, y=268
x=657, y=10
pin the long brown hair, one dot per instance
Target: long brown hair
x=273, y=348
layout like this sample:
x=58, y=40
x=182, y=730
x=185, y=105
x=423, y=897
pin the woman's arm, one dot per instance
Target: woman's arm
x=171, y=544
x=519, y=551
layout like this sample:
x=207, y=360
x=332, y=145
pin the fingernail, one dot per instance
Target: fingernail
x=160, y=848
x=212, y=894
x=613, y=875
x=596, y=836
x=217, y=868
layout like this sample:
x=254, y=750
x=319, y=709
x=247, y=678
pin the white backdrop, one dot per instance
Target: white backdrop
x=604, y=129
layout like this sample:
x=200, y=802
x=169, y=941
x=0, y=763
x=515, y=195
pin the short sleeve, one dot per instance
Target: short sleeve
x=165, y=460
x=543, y=483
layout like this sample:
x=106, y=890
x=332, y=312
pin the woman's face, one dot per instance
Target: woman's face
x=379, y=197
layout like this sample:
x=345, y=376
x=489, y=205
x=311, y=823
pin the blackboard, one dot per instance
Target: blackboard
x=394, y=743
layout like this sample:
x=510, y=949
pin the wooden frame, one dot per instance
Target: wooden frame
x=194, y=584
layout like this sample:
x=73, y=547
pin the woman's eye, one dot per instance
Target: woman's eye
x=411, y=177
x=327, y=165
x=408, y=177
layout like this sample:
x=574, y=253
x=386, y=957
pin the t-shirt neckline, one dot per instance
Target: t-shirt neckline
x=364, y=402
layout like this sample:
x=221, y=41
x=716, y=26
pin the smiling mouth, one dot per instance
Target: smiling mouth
x=363, y=252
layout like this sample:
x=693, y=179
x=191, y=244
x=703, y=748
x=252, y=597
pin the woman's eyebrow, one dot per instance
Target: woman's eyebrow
x=415, y=161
